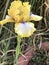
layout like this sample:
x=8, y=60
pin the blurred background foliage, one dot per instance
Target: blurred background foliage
x=8, y=39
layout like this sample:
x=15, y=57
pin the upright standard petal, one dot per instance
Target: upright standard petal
x=15, y=10
x=19, y=11
x=26, y=11
x=25, y=29
x=35, y=17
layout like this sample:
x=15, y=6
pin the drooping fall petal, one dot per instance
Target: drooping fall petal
x=24, y=29
x=6, y=20
x=35, y=17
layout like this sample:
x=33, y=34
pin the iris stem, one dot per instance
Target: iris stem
x=18, y=49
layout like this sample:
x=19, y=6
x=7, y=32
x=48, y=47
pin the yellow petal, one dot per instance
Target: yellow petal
x=26, y=11
x=8, y=19
x=35, y=17
x=19, y=10
x=25, y=3
x=24, y=29
x=15, y=10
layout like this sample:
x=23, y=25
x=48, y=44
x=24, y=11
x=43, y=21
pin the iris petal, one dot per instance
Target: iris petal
x=15, y=10
x=35, y=17
x=24, y=29
x=6, y=20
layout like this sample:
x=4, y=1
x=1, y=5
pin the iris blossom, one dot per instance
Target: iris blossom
x=20, y=13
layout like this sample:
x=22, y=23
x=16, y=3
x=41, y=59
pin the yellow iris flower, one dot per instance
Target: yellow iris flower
x=19, y=12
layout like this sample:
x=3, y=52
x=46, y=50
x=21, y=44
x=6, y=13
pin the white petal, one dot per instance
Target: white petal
x=7, y=16
x=24, y=29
